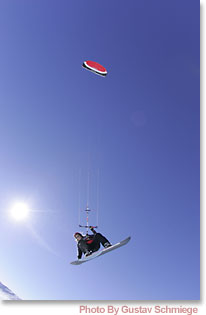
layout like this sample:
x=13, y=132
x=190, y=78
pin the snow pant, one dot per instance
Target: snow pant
x=95, y=245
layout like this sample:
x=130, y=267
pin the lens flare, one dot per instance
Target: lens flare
x=19, y=211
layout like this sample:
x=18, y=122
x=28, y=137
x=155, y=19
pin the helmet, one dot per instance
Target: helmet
x=77, y=233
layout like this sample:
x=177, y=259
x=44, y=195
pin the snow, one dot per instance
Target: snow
x=7, y=294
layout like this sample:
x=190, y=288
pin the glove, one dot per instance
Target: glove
x=92, y=229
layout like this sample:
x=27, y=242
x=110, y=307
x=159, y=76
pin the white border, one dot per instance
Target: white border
x=71, y=307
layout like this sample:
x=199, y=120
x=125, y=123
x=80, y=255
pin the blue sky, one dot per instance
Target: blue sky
x=139, y=127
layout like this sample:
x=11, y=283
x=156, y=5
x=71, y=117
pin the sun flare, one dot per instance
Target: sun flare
x=20, y=211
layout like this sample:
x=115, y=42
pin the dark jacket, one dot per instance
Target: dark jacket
x=84, y=244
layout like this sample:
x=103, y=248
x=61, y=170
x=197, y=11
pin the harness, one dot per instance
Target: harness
x=89, y=239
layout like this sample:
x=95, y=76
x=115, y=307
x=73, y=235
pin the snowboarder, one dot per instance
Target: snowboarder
x=90, y=243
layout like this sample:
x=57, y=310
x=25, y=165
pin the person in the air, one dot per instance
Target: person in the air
x=90, y=243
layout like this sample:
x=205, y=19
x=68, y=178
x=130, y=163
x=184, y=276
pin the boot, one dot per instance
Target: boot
x=107, y=244
x=88, y=253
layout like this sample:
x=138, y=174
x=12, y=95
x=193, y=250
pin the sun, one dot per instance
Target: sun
x=19, y=211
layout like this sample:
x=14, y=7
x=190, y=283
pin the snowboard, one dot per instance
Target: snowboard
x=101, y=252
